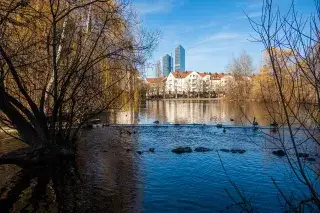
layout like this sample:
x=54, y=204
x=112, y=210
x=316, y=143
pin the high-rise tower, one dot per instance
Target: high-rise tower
x=166, y=65
x=180, y=59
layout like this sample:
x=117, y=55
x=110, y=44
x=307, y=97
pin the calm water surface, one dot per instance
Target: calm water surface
x=189, y=112
x=110, y=178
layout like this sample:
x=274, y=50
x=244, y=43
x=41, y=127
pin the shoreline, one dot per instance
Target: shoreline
x=198, y=99
x=184, y=99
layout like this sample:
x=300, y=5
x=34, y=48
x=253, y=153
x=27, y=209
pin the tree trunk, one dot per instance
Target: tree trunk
x=56, y=58
x=30, y=157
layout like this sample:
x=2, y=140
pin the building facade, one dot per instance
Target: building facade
x=180, y=59
x=158, y=69
x=191, y=84
x=166, y=65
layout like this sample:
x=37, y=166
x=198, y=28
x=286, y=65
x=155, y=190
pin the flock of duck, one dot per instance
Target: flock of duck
x=274, y=125
x=255, y=124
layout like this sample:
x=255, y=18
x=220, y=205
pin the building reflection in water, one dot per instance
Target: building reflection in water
x=189, y=112
x=112, y=177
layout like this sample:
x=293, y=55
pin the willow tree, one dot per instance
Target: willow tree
x=55, y=59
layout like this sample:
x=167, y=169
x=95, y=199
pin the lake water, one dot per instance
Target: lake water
x=112, y=177
x=190, y=112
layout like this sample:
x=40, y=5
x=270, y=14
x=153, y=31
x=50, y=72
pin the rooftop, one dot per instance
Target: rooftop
x=155, y=80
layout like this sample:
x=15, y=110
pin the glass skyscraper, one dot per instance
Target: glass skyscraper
x=166, y=65
x=180, y=59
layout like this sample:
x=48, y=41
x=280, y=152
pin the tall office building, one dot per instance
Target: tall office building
x=166, y=65
x=180, y=59
x=158, y=69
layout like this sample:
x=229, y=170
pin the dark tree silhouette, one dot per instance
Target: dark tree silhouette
x=62, y=63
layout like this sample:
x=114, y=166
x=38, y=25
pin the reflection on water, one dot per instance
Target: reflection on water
x=188, y=112
x=108, y=174
x=102, y=179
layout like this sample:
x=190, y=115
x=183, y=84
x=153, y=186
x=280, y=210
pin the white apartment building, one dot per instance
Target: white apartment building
x=183, y=82
x=191, y=82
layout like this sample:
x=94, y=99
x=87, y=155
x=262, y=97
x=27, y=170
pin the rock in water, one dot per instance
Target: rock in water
x=279, y=153
x=151, y=149
x=240, y=151
x=139, y=152
x=311, y=159
x=224, y=150
x=219, y=125
x=202, y=149
x=302, y=155
x=181, y=150
x=88, y=126
x=156, y=122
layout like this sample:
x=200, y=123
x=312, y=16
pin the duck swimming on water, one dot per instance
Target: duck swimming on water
x=274, y=124
x=255, y=123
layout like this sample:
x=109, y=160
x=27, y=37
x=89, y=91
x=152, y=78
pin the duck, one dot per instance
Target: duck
x=274, y=124
x=224, y=130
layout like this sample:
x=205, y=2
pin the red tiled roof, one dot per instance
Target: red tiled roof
x=181, y=74
x=217, y=75
x=155, y=80
x=202, y=74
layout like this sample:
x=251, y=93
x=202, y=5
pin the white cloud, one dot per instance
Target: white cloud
x=154, y=7
x=208, y=25
x=203, y=50
x=248, y=4
x=253, y=14
x=145, y=7
x=255, y=5
x=221, y=36
x=250, y=15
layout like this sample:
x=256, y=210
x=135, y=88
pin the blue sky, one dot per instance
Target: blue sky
x=211, y=31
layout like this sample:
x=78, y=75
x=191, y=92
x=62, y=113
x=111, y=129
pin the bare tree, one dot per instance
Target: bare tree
x=292, y=69
x=199, y=86
x=187, y=86
x=164, y=91
x=62, y=63
x=158, y=78
x=176, y=88
x=206, y=88
x=240, y=68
